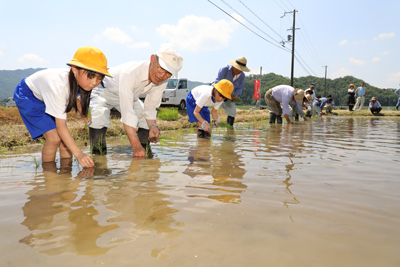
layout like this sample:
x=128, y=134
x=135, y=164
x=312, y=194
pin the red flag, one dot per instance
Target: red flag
x=257, y=89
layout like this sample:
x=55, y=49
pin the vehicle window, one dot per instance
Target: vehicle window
x=182, y=85
x=172, y=83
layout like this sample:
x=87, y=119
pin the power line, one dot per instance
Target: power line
x=309, y=39
x=305, y=63
x=250, y=22
x=279, y=6
x=284, y=49
x=261, y=20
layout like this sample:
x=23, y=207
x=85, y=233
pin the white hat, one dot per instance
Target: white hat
x=170, y=60
x=298, y=95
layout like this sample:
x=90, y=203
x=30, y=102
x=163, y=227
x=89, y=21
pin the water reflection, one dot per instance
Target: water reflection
x=140, y=201
x=69, y=214
x=59, y=221
x=217, y=169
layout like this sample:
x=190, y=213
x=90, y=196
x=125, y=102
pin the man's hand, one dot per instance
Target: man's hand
x=154, y=132
x=139, y=151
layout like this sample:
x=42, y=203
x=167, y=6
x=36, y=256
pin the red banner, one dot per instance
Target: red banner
x=257, y=89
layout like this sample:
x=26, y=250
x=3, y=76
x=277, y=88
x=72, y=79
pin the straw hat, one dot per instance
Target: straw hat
x=351, y=85
x=240, y=64
x=225, y=87
x=373, y=99
x=298, y=95
x=90, y=58
x=309, y=98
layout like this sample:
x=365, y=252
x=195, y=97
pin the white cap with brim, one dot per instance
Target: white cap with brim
x=170, y=60
x=298, y=95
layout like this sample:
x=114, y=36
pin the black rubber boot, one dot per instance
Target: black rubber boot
x=230, y=120
x=279, y=119
x=143, y=135
x=97, y=138
x=272, y=118
x=296, y=117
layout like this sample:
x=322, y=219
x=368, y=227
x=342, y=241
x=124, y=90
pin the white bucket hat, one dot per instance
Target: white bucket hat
x=170, y=60
x=240, y=64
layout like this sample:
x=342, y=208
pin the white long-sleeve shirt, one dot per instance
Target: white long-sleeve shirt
x=374, y=105
x=283, y=94
x=129, y=81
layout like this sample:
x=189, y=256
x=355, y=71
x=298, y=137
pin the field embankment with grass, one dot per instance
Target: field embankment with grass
x=14, y=133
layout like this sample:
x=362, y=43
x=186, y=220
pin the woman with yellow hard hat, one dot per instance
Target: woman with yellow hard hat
x=201, y=97
x=44, y=98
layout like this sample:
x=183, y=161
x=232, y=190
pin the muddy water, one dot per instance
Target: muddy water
x=324, y=193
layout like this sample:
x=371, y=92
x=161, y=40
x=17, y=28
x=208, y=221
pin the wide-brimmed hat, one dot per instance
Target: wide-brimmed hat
x=309, y=98
x=170, y=60
x=351, y=85
x=240, y=64
x=90, y=58
x=298, y=95
x=373, y=99
x=225, y=87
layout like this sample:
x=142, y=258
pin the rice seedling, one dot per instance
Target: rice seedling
x=87, y=117
x=36, y=162
x=224, y=125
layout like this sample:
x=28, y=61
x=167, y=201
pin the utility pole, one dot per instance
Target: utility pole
x=325, y=79
x=292, y=37
x=259, y=100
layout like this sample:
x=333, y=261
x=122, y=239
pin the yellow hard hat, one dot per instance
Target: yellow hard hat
x=225, y=87
x=90, y=58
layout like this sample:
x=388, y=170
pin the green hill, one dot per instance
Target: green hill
x=337, y=87
x=9, y=79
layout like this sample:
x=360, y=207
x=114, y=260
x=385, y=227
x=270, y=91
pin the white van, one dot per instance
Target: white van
x=10, y=102
x=175, y=93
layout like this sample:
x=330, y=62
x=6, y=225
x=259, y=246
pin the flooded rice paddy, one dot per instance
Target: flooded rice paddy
x=322, y=193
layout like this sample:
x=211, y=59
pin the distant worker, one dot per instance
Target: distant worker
x=374, y=106
x=139, y=118
x=234, y=74
x=361, y=93
x=397, y=92
x=44, y=99
x=329, y=106
x=352, y=98
x=200, y=98
x=285, y=95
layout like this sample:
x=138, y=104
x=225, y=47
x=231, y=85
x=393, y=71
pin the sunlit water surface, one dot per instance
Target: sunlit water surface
x=322, y=193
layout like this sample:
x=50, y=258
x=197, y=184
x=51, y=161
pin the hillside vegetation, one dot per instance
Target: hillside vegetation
x=9, y=79
x=337, y=87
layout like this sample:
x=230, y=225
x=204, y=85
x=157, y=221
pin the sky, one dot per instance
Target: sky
x=357, y=38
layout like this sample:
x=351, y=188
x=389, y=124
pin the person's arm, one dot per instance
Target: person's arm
x=79, y=106
x=214, y=115
x=196, y=113
x=154, y=132
x=366, y=91
x=287, y=118
x=68, y=140
x=357, y=92
x=135, y=142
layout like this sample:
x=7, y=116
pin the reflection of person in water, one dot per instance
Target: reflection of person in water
x=140, y=201
x=60, y=221
x=222, y=175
